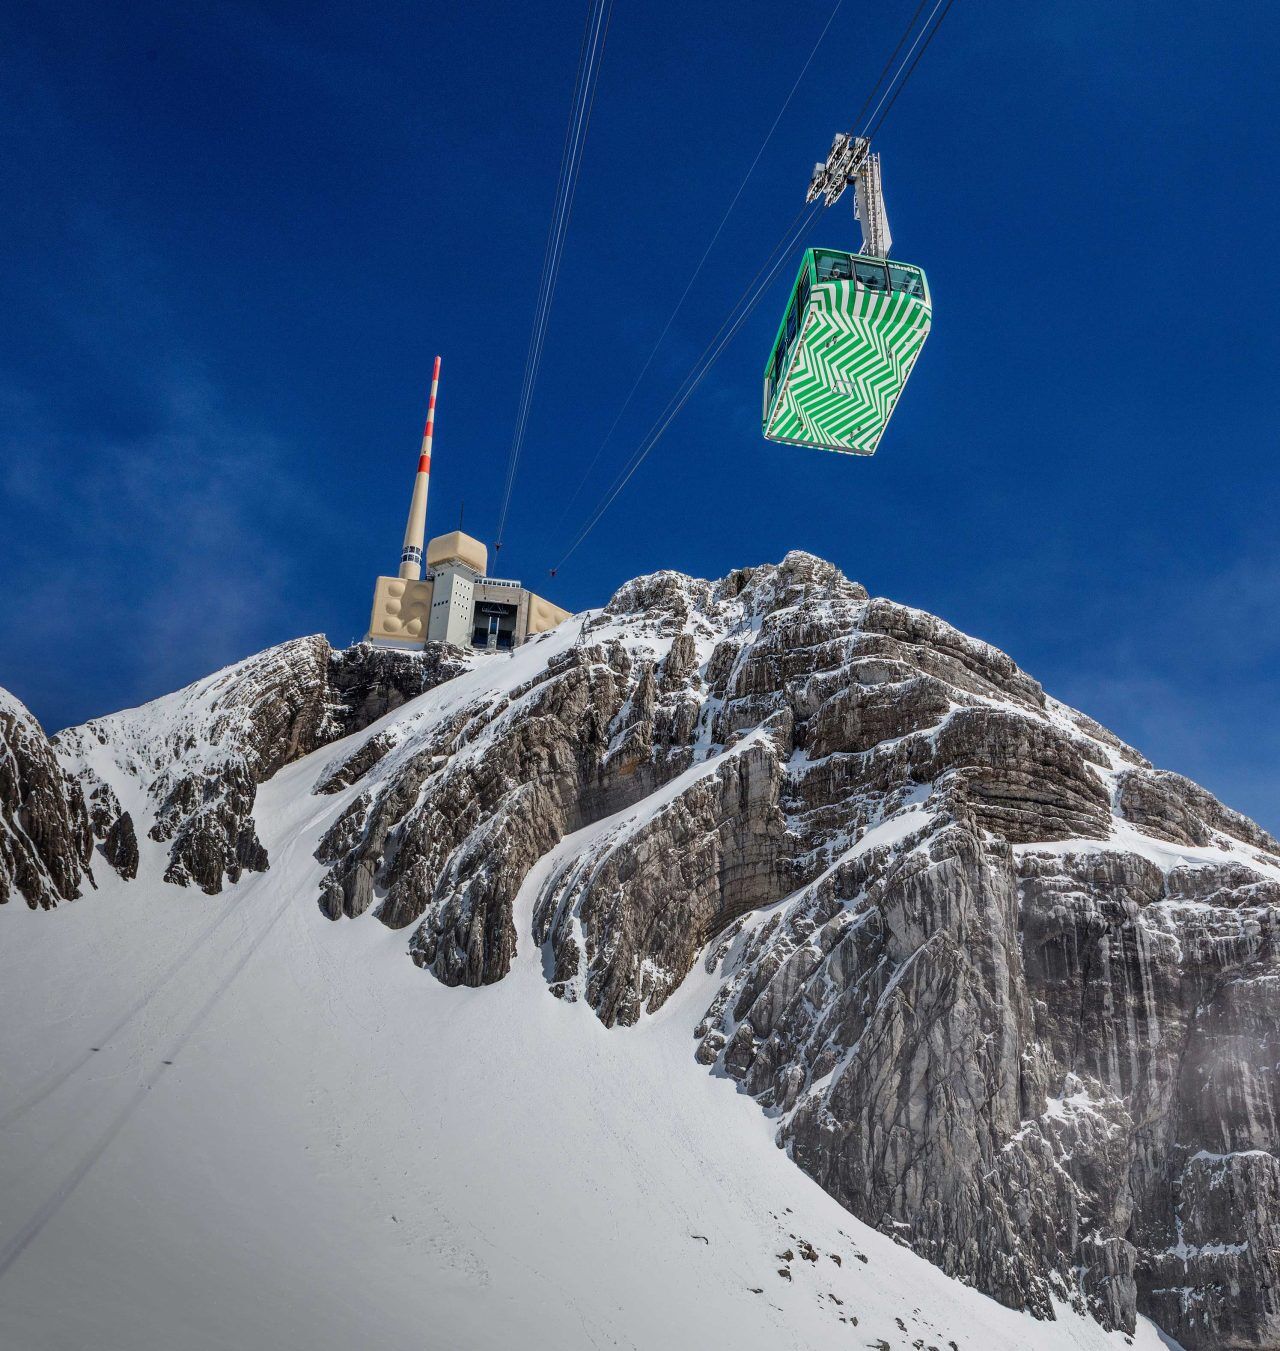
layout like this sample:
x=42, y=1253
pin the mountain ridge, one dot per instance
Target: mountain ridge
x=979, y=962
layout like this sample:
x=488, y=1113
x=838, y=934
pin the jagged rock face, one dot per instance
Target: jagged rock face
x=45, y=840
x=1009, y=993
x=120, y=846
x=194, y=759
x=1173, y=808
x=649, y=898
x=597, y=729
x=454, y=807
x=367, y=682
x=1006, y=991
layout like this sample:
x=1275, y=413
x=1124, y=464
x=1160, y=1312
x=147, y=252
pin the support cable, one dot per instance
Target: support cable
x=591, y=54
x=706, y=253
x=737, y=316
x=751, y=297
x=893, y=56
x=910, y=69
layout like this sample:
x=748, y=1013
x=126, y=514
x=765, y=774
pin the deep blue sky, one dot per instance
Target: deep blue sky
x=236, y=235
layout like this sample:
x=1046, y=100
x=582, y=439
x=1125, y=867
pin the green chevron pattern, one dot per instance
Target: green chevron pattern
x=853, y=354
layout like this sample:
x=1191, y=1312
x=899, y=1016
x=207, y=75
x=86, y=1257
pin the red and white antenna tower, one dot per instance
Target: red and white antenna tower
x=416, y=528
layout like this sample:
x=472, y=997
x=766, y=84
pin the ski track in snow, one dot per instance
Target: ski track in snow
x=290, y=1137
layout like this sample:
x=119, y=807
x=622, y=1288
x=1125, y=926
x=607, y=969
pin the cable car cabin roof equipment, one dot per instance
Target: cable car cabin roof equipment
x=853, y=327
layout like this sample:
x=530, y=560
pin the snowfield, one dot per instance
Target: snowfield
x=229, y=1123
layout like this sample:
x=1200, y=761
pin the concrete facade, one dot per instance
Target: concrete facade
x=455, y=547
x=458, y=603
x=401, y=612
x=451, y=607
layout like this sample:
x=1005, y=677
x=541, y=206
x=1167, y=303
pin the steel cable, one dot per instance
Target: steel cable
x=586, y=83
x=694, y=377
x=737, y=316
x=933, y=32
x=706, y=253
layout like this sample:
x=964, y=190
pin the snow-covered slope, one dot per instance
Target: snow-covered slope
x=801, y=869
x=289, y=1137
x=184, y=768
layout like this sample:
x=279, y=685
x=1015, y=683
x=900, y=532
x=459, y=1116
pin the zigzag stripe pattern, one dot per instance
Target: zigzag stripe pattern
x=853, y=356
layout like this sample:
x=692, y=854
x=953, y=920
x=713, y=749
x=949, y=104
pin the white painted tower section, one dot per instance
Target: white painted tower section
x=452, y=604
x=416, y=528
x=877, y=239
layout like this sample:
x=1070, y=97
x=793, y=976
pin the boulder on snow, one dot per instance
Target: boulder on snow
x=120, y=848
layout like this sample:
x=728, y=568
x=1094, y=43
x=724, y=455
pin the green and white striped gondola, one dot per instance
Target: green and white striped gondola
x=850, y=336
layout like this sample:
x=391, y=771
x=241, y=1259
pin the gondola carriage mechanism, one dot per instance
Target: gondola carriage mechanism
x=854, y=325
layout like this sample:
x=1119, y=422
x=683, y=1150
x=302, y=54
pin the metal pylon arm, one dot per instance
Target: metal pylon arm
x=850, y=161
x=844, y=160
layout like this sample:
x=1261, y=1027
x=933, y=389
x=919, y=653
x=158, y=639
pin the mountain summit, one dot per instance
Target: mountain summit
x=1002, y=990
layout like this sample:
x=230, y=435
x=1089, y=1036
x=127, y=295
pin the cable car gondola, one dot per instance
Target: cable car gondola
x=853, y=327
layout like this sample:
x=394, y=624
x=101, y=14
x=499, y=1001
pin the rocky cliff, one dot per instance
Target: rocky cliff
x=44, y=827
x=189, y=765
x=1007, y=992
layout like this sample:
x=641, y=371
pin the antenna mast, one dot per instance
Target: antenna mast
x=416, y=528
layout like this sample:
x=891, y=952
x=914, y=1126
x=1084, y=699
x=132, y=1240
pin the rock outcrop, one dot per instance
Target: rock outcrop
x=1008, y=992
x=45, y=840
x=120, y=846
x=195, y=759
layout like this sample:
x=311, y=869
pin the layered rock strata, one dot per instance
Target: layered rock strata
x=1006, y=991
x=45, y=839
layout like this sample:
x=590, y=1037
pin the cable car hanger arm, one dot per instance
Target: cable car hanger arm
x=851, y=161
